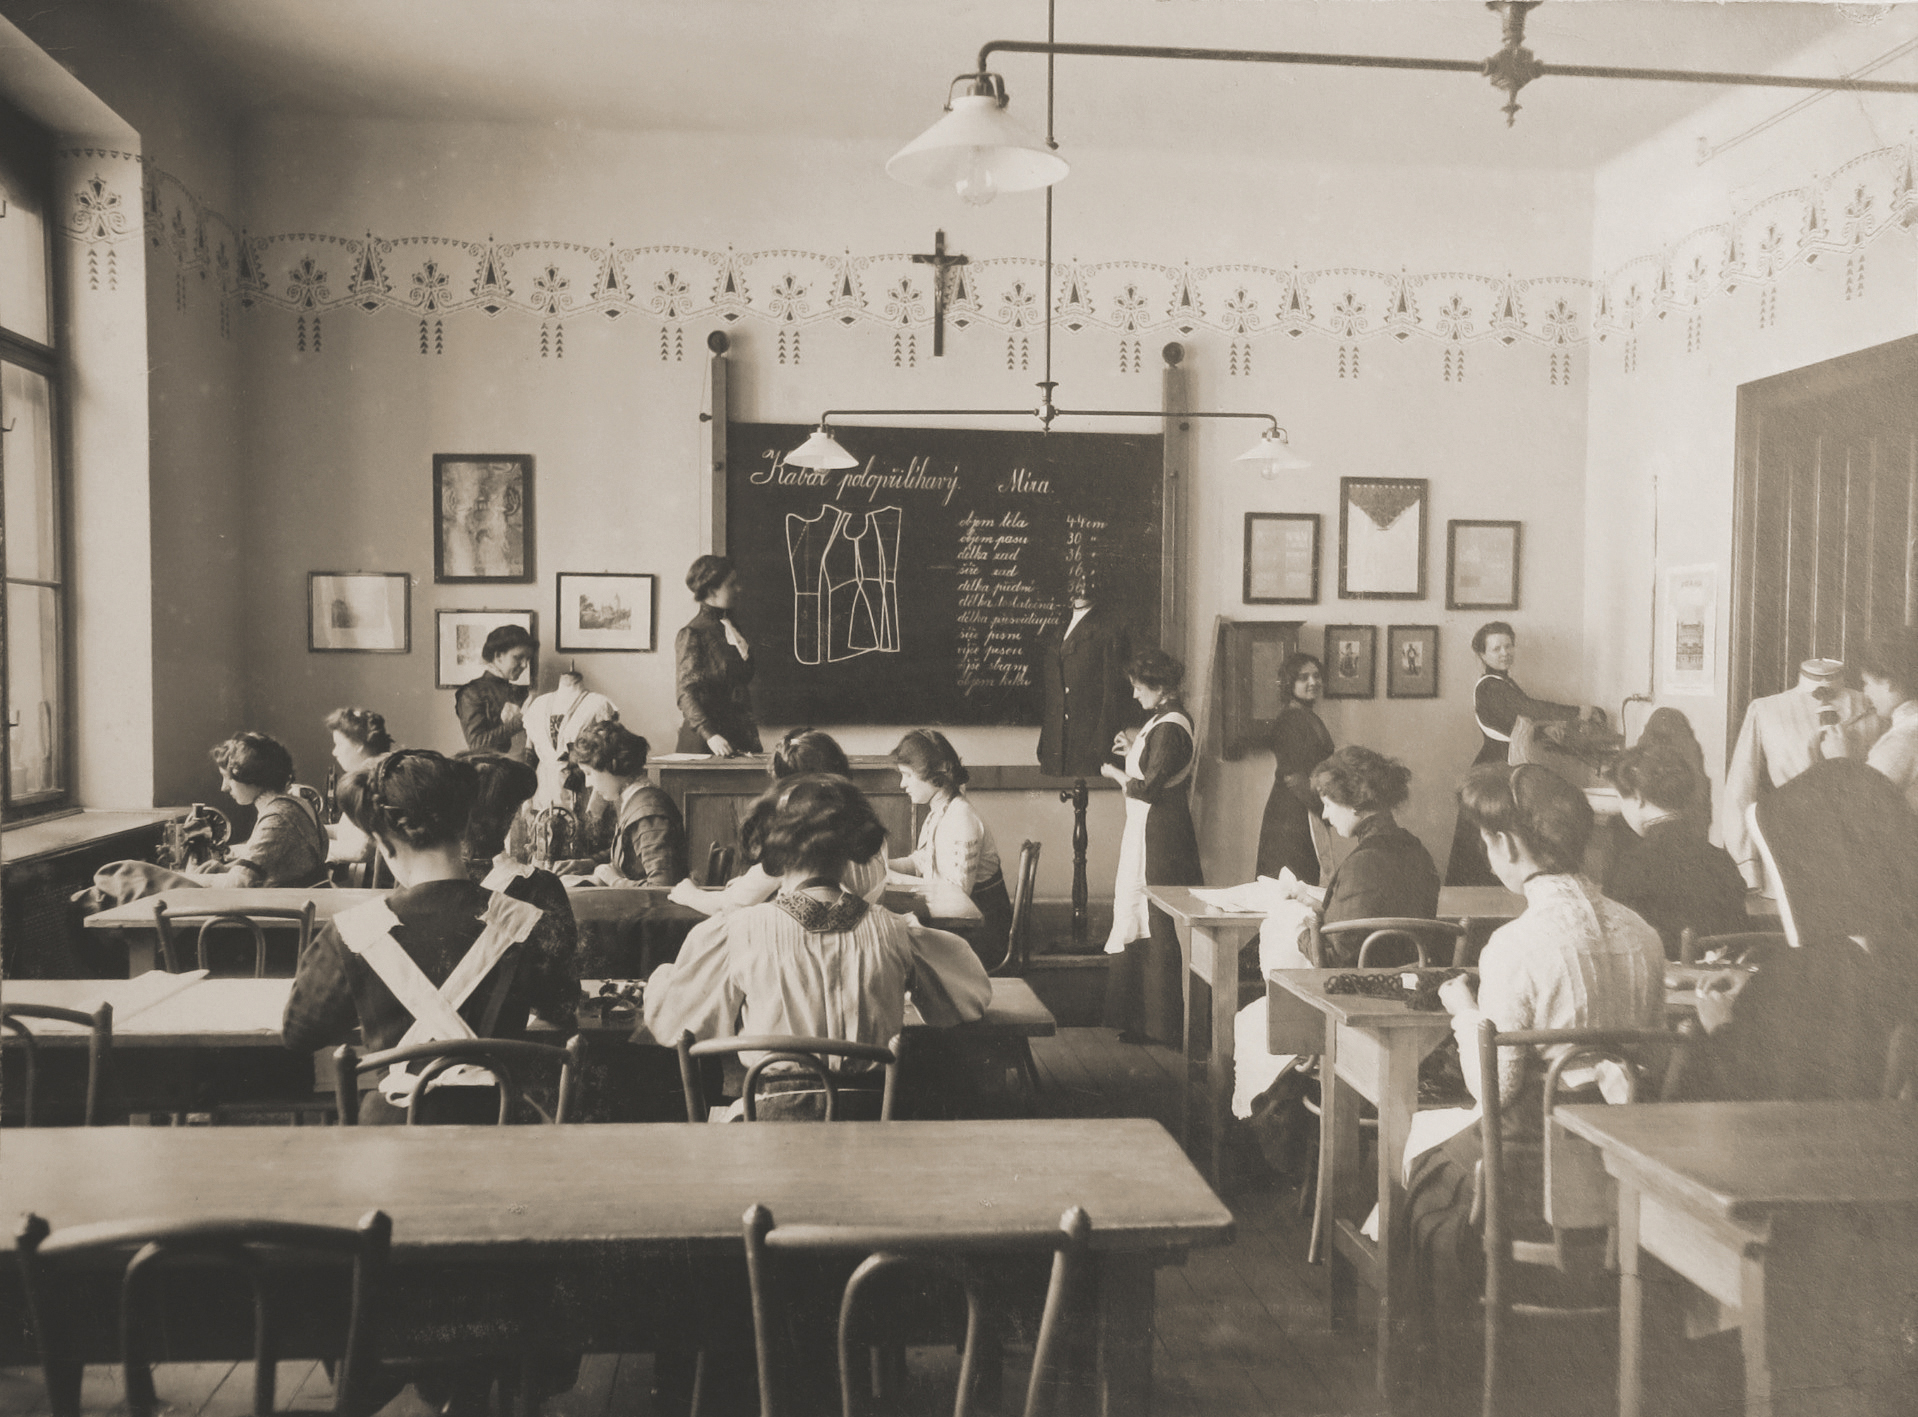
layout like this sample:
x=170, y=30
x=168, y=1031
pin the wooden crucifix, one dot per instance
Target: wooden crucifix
x=939, y=261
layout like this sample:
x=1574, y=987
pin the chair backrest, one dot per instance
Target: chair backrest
x=1019, y=937
x=99, y=1050
x=805, y=1056
x=253, y=919
x=719, y=864
x=252, y=1247
x=1423, y=935
x=962, y=1257
x=507, y=1059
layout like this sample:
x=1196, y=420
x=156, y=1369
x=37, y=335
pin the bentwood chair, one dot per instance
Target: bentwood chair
x=170, y=928
x=804, y=1056
x=777, y=1254
x=14, y=1033
x=719, y=864
x=1578, y=1201
x=1019, y=937
x=275, y=1258
x=508, y=1060
x=1443, y=938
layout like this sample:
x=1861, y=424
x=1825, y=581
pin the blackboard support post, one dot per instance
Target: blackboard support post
x=1080, y=799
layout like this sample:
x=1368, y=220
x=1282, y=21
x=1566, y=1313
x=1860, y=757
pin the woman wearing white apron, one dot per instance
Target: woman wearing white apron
x=1144, y=993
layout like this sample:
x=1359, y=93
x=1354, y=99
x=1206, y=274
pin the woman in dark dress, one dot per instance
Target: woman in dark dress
x=1497, y=703
x=1299, y=744
x=713, y=667
x=1388, y=872
x=1144, y=993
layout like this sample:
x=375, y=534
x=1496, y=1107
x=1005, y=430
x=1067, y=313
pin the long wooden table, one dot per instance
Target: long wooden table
x=595, y=908
x=588, y=1236
x=1802, y=1217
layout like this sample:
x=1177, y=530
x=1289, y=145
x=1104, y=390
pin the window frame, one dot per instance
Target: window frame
x=31, y=147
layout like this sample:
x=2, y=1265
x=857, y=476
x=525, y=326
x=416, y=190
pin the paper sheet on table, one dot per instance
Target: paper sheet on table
x=679, y=757
x=1265, y=894
x=1255, y=1069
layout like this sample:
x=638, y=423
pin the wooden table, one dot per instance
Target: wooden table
x=1369, y=1049
x=584, y=1232
x=1211, y=938
x=937, y=903
x=1801, y=1216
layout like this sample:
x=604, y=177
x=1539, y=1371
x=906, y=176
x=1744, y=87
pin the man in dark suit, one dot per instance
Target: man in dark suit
x=1088, y=698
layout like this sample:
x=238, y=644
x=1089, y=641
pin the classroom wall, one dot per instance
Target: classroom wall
x=342, y=409
x=1769, y=232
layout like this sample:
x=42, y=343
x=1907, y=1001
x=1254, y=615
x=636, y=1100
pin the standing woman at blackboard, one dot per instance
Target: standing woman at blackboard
x=713, y=667
x=1144, y=997
x=1299, y=744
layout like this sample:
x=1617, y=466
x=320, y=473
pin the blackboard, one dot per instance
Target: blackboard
x=914, y=588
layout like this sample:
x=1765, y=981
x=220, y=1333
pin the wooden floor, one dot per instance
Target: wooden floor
x=1241, y=1330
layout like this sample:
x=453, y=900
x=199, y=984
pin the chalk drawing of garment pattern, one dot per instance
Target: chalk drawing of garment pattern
x=806, y=542
x=861, y=586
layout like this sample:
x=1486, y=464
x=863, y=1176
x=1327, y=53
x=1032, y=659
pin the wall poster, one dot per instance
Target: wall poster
x=1688, y=630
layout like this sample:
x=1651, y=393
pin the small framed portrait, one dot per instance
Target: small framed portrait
x=1481, y=565
x=1351, y=661
x=1411, y=662
x=607, y=611
x=482, y=517
x=461, y=636
x=1382, y=538
x=359, y=612
x=1281, y=558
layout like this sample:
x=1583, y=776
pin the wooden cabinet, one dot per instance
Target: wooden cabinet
x=1249, y=655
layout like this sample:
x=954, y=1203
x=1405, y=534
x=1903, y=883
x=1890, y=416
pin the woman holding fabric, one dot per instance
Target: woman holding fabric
x=713, y=667
x=1497, y=703
x=1299, y=743
x=1388, y=872
x=1144, y=993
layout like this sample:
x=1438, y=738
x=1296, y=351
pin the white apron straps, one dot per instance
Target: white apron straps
x=1483, y=727
x=1130, y=908
x=367, y=931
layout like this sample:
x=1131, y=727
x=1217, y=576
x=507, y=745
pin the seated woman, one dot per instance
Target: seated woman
x=359, y=736
x=1669, y=873
x=954, y=844
x=372, y=965
x=817, y=961
x=803, y=750
x=287, y=847
x=1573, y=960
x=649, y=839
x=1388, y=871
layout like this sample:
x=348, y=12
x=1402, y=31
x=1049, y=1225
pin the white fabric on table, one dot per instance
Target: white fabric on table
x=1286, y=921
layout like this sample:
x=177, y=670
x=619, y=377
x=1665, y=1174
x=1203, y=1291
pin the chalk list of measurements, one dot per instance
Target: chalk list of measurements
x=1002, y=609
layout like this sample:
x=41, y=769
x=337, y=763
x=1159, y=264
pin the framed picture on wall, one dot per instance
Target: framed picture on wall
x=1382, y=538
x=607, y=611
x=482, y=517
x=1481, y=565
x=461, y=634
x=359, y=612
x=1411, y=662
x=1281, y=558
x=1351, y=661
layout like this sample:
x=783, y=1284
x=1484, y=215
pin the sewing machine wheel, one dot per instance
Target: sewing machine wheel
x=218, y=830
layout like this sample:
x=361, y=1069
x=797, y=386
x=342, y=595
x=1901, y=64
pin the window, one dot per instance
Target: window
x=35, y=618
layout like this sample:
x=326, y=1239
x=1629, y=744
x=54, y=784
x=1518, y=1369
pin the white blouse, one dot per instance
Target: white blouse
x=955, y=845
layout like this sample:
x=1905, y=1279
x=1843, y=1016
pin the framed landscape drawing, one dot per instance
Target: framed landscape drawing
x=359, y=612
x=460, y=635
x=1411, y=662
x=482, y=517
x=1481, y=565
x=1382, y=538
x=1281, y=558
x=1351, y=661
x=609, y=611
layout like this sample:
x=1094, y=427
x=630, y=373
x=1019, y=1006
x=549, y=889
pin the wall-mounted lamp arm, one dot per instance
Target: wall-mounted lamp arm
x=833, y=413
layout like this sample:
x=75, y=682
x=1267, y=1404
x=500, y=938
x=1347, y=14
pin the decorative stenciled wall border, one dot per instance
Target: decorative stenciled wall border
x=312, y=274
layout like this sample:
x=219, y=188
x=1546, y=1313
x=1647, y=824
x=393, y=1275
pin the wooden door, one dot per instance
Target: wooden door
x=1825, y=554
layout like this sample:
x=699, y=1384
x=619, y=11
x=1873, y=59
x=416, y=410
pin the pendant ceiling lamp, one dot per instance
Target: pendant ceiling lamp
x=978, y=149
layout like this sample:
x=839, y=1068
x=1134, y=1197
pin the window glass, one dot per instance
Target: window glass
x=23, y=255
x=34, y=710
x=32, y=511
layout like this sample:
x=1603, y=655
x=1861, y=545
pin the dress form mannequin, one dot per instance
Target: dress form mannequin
x=1784, y=734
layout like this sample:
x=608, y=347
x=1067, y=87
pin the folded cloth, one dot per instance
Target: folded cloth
x=120, y=882
x=1254, y=1068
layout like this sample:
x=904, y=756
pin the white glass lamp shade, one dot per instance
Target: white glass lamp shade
x=821, y=450
x=979, y=150
x=1271, y=455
